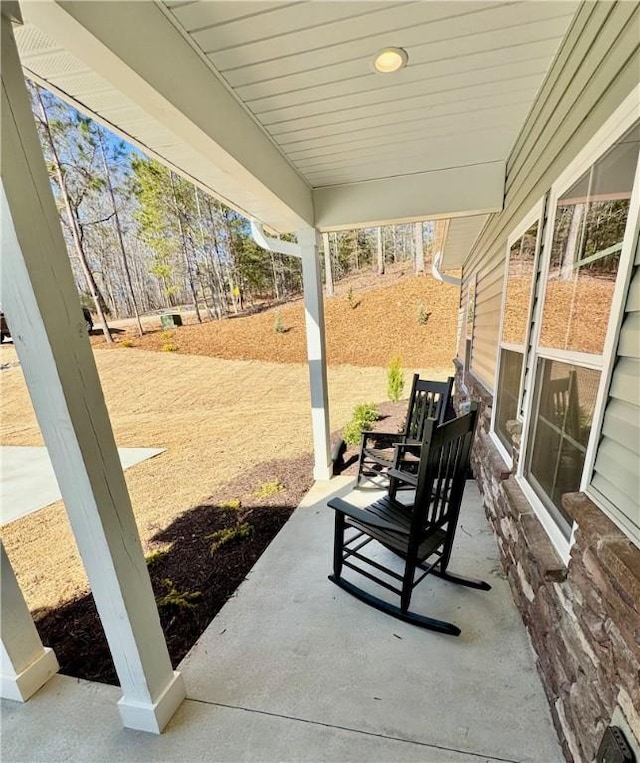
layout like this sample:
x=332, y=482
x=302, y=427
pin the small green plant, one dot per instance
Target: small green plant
x=155, y=556
x=363, y=417
x=351, y=299
x=127, y=343
x=423, y=315
x=169, y=347
x=235, y=504
x=228, y=535
x=175, y=598
x=395, y=379
x=278, y=324
x=268, y=489
x=166, y=335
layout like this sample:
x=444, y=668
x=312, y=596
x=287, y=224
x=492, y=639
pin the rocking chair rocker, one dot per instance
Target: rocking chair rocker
x=421, y=534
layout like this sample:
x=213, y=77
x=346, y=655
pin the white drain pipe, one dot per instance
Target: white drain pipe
x=307, y=250
x=442, y=277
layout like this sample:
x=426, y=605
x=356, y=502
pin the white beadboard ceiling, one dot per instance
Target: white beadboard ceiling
x=303, y=69
x=302, y=74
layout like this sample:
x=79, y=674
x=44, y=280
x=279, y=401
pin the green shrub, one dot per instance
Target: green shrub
x=268, y=488
x=233, y=505
x=351, y=299
x=127, y=343
x=166, y=335
x=228, y=535
x=154, y=556
x=278, y=324
x=175, y=598
x=363, y=417
x=395, y=380
x=169, y=347
x=423, y=315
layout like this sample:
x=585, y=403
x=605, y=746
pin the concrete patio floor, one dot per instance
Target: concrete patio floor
x=294, y=668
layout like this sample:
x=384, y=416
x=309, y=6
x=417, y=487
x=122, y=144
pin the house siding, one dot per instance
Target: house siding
x=615, y=479
x=583, y=616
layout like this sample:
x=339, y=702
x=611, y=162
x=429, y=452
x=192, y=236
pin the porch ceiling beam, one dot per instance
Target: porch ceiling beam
x=39, y=297
x=137, y=49
x=471, y=190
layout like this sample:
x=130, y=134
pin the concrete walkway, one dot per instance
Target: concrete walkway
x=295, y=669
x=28, y=482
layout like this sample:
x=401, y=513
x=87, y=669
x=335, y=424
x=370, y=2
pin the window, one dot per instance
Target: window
x=584, y=249
x=516, y=319
x=566, y=397
x=589, y=226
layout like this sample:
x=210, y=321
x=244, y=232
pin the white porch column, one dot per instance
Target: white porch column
x=316, y=353
x=25, y=664
x=39, y=297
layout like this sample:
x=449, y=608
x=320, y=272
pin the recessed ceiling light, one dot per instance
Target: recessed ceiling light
x=390, y=60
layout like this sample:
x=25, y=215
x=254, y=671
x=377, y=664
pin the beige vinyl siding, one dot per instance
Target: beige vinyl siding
x=595, y=69
x=616, y=476
x=487, y=321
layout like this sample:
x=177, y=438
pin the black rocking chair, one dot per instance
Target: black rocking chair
x=421, y=533
x=428, y=399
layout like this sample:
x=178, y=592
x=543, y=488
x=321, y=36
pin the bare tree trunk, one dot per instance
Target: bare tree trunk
x=380, y=253
x=214, y=294
x=216, y=264
x=185, y=251
x=419, y=247
x=73, y=223
x=116, y=217
x=573, y=241
x=234, y=286
x=328, y=273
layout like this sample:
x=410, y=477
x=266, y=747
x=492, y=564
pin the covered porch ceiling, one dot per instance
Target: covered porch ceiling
x=275, y=108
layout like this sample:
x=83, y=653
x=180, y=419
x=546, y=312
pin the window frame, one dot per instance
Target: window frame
x=534, y=214
x=622, y=119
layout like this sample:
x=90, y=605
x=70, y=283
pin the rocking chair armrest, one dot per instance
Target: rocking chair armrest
x=365, y=517
x=367, y=433
x=398, y=474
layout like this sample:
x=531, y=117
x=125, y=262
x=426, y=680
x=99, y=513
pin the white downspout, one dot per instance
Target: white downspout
x=442, y=277
x=307, y=251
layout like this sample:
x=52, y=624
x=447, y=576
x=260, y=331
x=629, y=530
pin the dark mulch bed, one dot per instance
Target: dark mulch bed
x=74, y=630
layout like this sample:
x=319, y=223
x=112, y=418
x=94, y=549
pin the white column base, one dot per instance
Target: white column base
x=25, y=684
x=322, y=473
x=154, y=717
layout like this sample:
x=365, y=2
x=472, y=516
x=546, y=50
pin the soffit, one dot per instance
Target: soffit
x=303, y=71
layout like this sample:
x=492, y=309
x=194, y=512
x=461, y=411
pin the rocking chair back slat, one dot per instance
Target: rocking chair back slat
x=441, y=475
x=428, y=400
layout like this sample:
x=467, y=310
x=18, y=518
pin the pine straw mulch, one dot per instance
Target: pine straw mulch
x=368, y=330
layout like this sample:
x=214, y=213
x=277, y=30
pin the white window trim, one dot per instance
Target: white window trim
x=535, y=214
x=613, y=129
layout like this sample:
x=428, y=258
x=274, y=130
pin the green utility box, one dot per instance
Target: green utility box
x=170, y=320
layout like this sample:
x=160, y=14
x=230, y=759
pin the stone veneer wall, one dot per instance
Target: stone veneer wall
x=584, y=619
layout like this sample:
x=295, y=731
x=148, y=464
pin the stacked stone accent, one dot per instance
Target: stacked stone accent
x=583, y=618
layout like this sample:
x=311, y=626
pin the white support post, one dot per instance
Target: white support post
x=25, y=665
x=316, y=353
x=39, y=297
